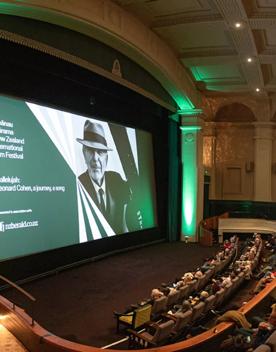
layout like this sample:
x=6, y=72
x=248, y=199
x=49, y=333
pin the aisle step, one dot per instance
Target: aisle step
x=8, y=343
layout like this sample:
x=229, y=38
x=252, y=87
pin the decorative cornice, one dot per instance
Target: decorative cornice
x=180, y=20
x=189, y=112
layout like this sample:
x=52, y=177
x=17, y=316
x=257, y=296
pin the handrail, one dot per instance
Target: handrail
x=21, y=290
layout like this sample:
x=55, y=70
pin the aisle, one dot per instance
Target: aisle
x=8, y=343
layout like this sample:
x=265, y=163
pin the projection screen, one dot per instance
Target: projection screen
x=67, y=179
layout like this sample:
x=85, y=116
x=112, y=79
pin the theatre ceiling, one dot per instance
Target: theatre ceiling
x=225, y=45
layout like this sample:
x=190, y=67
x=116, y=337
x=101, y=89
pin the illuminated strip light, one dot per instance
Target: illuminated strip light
x=82, y=228
x=131, y=133
x=108, y=230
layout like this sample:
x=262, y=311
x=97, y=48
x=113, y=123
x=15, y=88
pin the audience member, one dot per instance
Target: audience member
x=156, y=293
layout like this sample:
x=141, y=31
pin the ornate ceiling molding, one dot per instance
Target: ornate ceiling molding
x=233, y=10
x=107, y=22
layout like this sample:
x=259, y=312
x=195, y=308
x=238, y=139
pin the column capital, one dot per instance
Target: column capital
x=190, y=112
x=264, y=130
x=191, y=124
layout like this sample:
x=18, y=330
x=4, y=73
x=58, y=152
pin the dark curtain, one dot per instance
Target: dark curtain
x=173, y=183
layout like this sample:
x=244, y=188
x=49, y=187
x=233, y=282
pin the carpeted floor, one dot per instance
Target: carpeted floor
x=78, y=304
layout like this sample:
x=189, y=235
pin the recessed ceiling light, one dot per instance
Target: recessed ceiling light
x=249, y=59
x=238, y=25
x=257, y=89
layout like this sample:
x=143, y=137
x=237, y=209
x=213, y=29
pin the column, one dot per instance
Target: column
x=192, y=176
x=263, y=161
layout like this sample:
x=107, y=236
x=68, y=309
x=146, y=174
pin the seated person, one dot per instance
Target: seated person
x=198, y=274
x=156, y=293
x=227, y=252
x=203, y=295
x=215, y=286
x=207, y=265
x=178, y=283
x=226, y=281
x=226, y=244
x=171, y=291
x=248, y=271
x=193, y=300
x=187, y=278
x=180, y=308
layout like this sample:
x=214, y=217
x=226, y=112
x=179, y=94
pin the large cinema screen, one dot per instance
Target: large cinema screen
x=67, y=179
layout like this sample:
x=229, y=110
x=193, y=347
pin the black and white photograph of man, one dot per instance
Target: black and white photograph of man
x=107, y=189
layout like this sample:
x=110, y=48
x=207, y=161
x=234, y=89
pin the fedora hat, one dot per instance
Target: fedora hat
x=93, y=136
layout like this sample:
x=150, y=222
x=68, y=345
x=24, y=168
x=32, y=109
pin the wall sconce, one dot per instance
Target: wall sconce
x=249, y=166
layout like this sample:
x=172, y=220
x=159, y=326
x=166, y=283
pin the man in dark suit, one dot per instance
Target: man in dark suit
x=107, y=188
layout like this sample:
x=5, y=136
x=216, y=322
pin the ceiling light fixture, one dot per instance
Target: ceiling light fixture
x=238, y=25
x=249, y=59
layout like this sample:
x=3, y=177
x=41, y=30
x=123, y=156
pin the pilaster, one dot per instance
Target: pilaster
x=192, y=175
x=263, y=161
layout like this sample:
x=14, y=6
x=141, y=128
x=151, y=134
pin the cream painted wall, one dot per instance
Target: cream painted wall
x=233, y=154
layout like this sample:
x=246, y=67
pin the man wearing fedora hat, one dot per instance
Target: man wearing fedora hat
x=107, y=188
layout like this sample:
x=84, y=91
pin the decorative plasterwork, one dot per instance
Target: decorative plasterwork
x=105, y=21
x=259, y=107
x=195, y=29
x=233, y=10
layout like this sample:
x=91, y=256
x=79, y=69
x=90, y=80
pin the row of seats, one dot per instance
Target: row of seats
x=149, y=312
x=177, y=325
x=164, y=303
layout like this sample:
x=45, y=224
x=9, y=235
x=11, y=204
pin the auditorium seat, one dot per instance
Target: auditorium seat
x=198, y=310
x=159, y=306
x=219, y=297
x=228, y=291
x=160, y=334
x=173, y=298
x=271, y=342
x=209, y=273
x=184, y=291
x=241, y=278
x=235, y=283
x=201, y=282
x=134, y=319
x=181, y=321
x=192, y=286
x=262, y=348
x=269, y=345
x=209, y=303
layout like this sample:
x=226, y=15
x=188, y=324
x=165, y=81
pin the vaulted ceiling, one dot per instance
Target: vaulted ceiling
x=226, y=45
